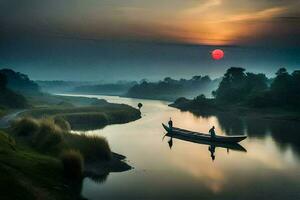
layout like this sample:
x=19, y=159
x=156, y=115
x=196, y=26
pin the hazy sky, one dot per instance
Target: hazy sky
x=134, y=39
x=195, y=21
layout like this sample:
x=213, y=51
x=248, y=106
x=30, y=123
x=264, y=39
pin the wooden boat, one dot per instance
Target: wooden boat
x=202, y=136
x=231, y=146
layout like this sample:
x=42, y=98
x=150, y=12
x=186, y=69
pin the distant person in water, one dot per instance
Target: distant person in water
x=170, y=123
x=212, y=132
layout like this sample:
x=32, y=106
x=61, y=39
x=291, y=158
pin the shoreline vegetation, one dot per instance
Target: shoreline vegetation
x=168, y=89
x=188, y=105
x=39, y=157
x=250, y=95
x=36, y=162
x=88, y=117
x=43, y=134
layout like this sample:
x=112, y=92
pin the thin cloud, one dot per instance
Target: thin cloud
x=263, y=14
x=202, y=7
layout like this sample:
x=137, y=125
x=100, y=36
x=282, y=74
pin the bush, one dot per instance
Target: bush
x=63, y=124
x=73, y=164
x=45, y=135
x=49, y=136
x=92, y=147
x=25, y=126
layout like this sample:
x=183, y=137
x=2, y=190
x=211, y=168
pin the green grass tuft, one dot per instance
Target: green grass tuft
x=63, y=124
x=49, y=137
x=93, y=148
x=25, y=126
x=46, y=136
x=73, y=164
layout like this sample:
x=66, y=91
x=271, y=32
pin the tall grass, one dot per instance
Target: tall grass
x=63, y=124
x=93, y=148
x=73, y=164
x=51, y=136
x=25, y=126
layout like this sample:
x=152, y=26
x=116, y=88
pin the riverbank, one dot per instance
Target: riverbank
x=30, y=174
x=89, y=117
x=32, y=149
x=209, y=107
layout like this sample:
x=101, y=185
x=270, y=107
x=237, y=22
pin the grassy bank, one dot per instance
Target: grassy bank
x=89, y=117
x=52, y=137
x=40, y=159
x=26, y=174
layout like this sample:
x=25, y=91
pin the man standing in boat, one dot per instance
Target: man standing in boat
x=212, y=132
x=170, y=123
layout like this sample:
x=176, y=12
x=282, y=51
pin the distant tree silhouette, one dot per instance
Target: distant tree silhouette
x=19, y=82
x=281, y=83
x=285, y=89
x=232, y=86
x=170, y=89
x=238, y=86
x=3, y=81
x=256, y=82
x=250, y=89
x=9, y=98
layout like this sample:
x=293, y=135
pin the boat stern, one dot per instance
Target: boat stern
x=166, y=128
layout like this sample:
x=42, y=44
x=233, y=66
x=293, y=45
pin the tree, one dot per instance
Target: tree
x=19, y=82
x=282, y=87
x=140, y=105
x=3, y=81
x=168, y=79
x=256, y=82
x=296, y=81
x=232, y=86
x=196, y=78
x=238, y=86
x=200, y=99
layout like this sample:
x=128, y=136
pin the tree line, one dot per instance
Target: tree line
x=238, y=86
x=171, y=89
x=9, y=98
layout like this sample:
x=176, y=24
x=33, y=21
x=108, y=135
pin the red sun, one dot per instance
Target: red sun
x=217, y=54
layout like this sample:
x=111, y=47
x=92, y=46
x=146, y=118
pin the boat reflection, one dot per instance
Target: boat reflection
x=212, y=145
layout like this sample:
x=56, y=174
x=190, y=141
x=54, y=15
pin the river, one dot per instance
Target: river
x=270, y=169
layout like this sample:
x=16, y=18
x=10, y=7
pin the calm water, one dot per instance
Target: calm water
x=270, y=169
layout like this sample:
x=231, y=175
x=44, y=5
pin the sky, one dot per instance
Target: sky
x=148, y=38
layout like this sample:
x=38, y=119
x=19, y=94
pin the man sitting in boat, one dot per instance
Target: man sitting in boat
x=170, y=123
x=212, y=132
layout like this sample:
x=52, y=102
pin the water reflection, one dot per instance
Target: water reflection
x=211, y=145
x=212, y=150
x=285, y=133
x=187, y=169
x=170, y=142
